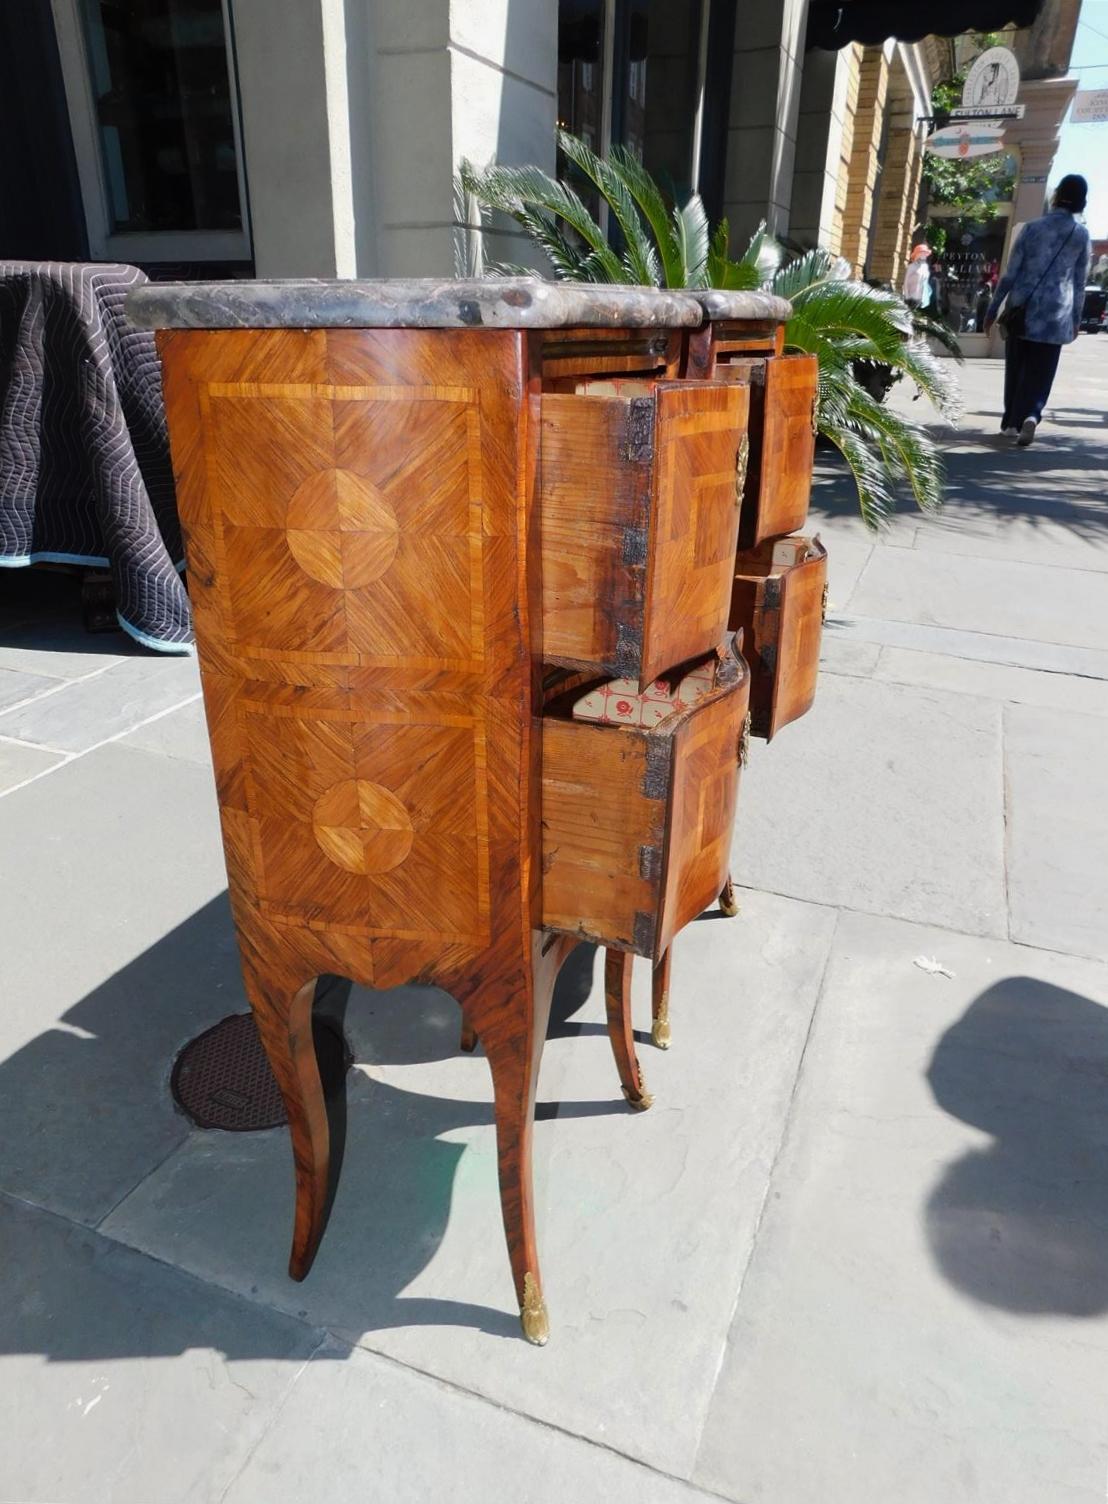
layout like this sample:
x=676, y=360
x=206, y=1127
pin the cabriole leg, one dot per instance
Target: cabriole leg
x=617, y=1001
x=659, y=1027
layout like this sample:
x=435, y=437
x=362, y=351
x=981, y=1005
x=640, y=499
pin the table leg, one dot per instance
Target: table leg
x=659, y=1026
x=728, y=903
x=512, y=1028
x=282, y=1002
x=617, y=1001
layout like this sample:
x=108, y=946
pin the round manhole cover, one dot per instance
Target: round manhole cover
x=222, y=1079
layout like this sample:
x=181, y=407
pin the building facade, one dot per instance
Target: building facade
x=284, y=138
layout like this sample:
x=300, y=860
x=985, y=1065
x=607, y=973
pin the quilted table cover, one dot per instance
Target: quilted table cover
x=85, y=475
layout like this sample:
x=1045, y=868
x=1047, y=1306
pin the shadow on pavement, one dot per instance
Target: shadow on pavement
x=1056, y=482
x=1022, y=1224
x=99, y=1080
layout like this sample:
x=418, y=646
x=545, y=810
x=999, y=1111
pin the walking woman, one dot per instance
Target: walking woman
x=1045, y=288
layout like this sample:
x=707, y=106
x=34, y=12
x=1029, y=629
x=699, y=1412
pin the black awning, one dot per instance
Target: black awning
x=834, y=23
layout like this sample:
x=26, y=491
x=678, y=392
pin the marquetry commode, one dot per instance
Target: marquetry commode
x=424, y=522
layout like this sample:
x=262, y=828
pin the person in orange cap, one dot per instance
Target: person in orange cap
x=917, y=279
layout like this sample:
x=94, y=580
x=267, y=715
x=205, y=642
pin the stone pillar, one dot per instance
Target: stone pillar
x=295, y=136
x=1035, y=139
x=897, y=200
x=824, y=140
x=356, y=114
x=865, y=157
x=762, y=122
x=443, y=81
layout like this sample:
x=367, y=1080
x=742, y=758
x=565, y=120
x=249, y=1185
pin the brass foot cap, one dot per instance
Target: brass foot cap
x=729, y=906
x=660, y=1033
x=639, y=1103
x=533, y=1315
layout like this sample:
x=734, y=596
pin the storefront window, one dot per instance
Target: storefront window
x=581, y=70
x=162, y=87
x=650, y=53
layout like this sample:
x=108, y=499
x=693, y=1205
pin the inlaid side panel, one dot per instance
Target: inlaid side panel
x=353, y=503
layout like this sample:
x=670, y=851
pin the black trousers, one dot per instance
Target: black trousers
x=1029, y=367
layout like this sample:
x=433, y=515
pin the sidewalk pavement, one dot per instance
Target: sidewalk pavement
x=857, y=1251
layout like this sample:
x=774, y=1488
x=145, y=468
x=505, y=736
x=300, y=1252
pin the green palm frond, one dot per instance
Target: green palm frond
x=570, y=261
x=744, y=275
x=533, y=199
x=807, y=271
x=641, y=259
x=690, y=224
x=652, y=206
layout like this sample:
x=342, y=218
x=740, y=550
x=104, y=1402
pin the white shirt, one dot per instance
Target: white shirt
x=917, y=280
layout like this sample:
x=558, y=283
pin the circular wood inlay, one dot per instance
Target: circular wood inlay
x=341, y=530
x=361, y=826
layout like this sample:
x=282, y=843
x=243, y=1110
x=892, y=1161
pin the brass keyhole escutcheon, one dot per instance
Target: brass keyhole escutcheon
x=742, y=459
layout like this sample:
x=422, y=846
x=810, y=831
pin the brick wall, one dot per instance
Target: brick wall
x=873, y=83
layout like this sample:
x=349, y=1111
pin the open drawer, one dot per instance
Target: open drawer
x=779, y=600
x=639, y=505
x=636, y=819
x=783, y=396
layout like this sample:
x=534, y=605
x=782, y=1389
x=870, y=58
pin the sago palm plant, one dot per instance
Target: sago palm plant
x=664, y=245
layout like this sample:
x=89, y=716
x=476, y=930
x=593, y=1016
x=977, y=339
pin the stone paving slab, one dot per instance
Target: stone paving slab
x=16, y=686
x=181, y=733
x=884, y=798
x=1057, y=780
x=19, y=763
x=984, y=595
x=926, y=1313
x=117, y=949
x=846, y=560
x=86, y=712
x=394, y=1434
x=1066, y=693
x=983, y=647
x=645, y=1219
x=125, y=1381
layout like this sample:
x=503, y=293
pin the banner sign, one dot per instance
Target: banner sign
x=961, y=141
x=1090, y=107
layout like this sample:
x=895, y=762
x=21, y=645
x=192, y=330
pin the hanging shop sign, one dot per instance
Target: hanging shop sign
x=1090, y=107
x=992, y=81
x=989, y=112
x=961, y=141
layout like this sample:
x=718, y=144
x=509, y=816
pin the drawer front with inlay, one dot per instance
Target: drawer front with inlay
x=783, y=402
x=639, y=502
x=778, y=601
x=637, y=820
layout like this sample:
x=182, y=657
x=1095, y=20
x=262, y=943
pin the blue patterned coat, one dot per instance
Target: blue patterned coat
x=1054, y=308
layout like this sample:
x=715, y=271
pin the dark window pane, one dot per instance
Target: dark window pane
x=581, y=69
x=163, y=101
x=668, y=104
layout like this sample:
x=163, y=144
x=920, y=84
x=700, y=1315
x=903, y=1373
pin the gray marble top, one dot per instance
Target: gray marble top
x=718, y=303
x=420, y=303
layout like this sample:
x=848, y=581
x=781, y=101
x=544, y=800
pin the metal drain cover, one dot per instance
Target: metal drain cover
x=222, y=1079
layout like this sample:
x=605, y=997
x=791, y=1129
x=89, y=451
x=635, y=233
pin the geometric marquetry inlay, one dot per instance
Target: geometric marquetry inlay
x=356, y=535
x=361, y=541
x=362, y=826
